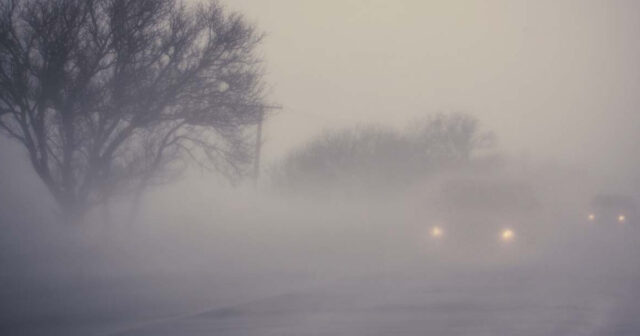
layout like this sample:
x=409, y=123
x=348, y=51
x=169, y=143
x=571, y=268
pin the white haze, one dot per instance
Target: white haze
x=557, y=82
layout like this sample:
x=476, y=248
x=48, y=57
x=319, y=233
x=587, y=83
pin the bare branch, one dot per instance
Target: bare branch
x=103, y=93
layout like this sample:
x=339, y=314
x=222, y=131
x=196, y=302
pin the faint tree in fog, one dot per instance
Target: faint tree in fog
x=344, y=156
x=111, y=96
x=374, y=156
x=449, y=138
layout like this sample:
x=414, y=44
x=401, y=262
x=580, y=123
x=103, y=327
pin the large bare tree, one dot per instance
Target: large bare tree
x=109, y=96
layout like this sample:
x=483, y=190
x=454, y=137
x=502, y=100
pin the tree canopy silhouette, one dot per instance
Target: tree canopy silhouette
x=373, y=157
x=109, y=96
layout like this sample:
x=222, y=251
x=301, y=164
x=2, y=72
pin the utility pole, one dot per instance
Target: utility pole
x=258, y=145
x=256, y=160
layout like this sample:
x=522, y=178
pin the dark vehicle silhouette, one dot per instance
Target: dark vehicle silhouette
x=613, y=208
x=484, y=218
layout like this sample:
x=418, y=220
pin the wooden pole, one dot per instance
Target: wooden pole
x=256, y=160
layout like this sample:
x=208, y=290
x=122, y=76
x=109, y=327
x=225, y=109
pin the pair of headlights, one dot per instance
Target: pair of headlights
x=506, y=235
x=621, y=218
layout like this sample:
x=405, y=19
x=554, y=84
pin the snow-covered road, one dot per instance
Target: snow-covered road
x=530, y=300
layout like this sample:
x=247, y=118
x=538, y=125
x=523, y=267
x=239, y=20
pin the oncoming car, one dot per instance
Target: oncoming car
x=611, y=209
x=484, y=219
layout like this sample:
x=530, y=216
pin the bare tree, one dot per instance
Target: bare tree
x=373, y=157
x=110, y=96
x=345, y=157
x=450, y=138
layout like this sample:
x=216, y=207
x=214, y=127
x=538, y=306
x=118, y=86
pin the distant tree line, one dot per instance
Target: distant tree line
x=376, y=157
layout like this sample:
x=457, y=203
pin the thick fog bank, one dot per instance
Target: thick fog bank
x=200, y=245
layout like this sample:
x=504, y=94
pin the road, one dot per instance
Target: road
x=539, y=298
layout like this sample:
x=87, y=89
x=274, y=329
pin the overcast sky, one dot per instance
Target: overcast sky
x=553, y=79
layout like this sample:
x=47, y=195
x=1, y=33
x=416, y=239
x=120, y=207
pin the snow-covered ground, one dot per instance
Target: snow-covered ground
x=329, y=271
x=550, y=296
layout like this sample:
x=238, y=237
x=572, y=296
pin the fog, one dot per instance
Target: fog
x=555, y=80
x=432, y=167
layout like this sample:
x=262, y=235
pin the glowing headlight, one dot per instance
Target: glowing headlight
x=622, y=219
x=591, y=217
x=507, y=235
x=436, y=232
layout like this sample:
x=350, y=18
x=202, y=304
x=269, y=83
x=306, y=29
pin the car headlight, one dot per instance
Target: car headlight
x=507, y=235
x=436, y=232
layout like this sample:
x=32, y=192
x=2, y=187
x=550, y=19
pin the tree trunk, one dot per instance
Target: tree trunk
x=134, y=210
x=73, y=213
x=106, y=213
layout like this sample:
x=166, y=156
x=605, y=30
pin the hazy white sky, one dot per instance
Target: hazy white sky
x=554, y=79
